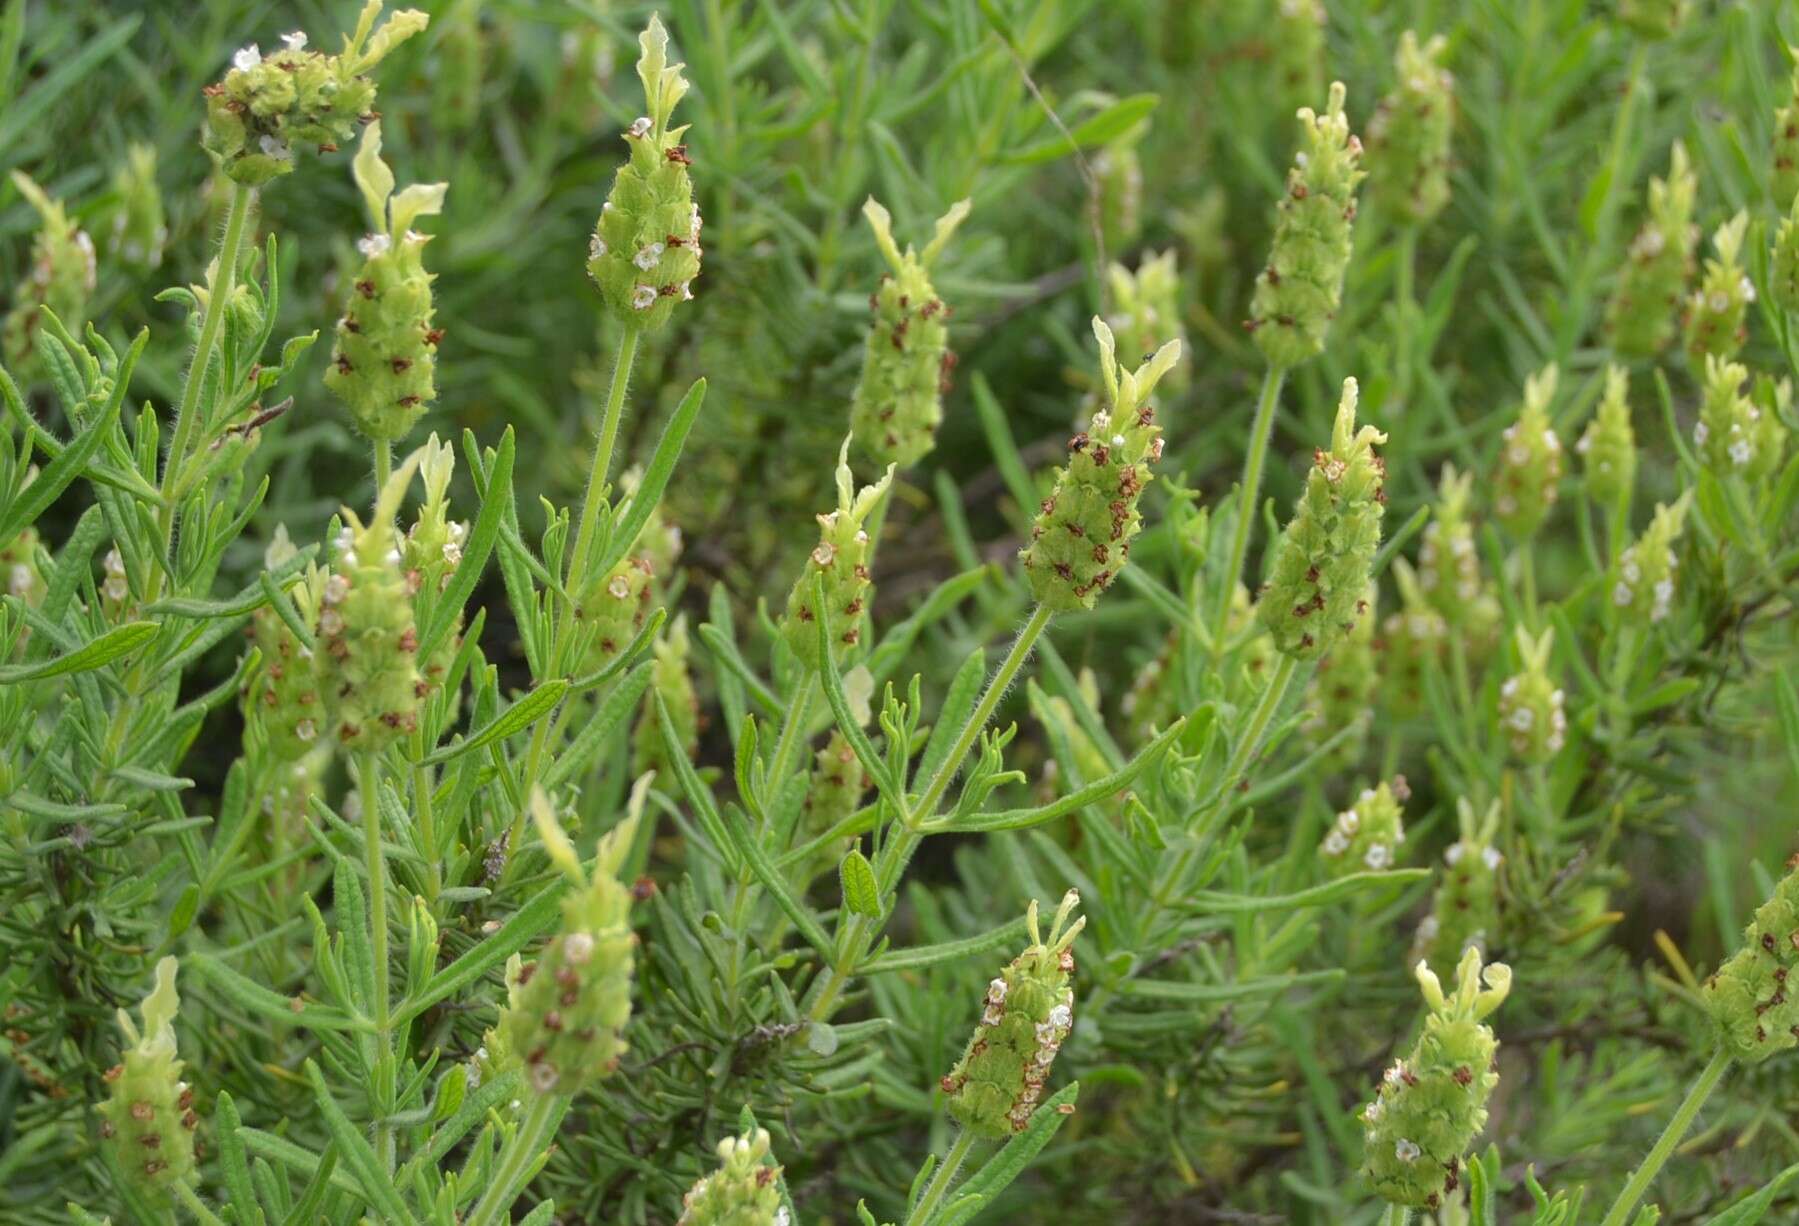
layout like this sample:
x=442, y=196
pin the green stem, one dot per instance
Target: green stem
x=516, y=1159
x=370, y=770
x=1397, y=1215
x=190, y=1200
x=1408, y=307
x=793, y=732
x=1249, y=493
x=602, y=460
x=1677, y=1127
x=977, y=720
x=186, y=413
x=384, y=465
x=939, y=1185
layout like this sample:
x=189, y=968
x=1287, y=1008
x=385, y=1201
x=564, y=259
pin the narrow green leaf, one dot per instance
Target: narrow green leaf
x=921, y=956
x=516, y=718
x=655, y=477
x=1109, y=124
x=374, y=1183
x=119, y=641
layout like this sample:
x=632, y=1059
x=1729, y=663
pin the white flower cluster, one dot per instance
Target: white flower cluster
x=1630, y=577
x=1050, y=1034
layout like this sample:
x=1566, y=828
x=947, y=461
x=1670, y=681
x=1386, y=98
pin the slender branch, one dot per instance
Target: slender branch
x=370, y=771
x=517, y=1157
x=1249, y=493
x=939, y=1185
x=1677, y=1127
x=602, y=460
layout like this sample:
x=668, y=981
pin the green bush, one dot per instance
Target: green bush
x=526, y=760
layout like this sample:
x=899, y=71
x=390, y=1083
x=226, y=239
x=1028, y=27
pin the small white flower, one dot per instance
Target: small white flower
x=577, y=947
x=275, y=147
x=596, y=246
x=331, y=622
x=1701, y=432
x=1118, y=440
x=1551, y=440
x=687, y=290
x=1741, y=453
x=1622, y=595
x=1349, y=821
x=19, y=581
x=1427, y=929
x=619, y=587
x=648, y=257
x=1454, y=853
x=640, y=126
x=296, y=41
x=372, y=245
x=116, y=589
x=1522, y=718
x=1335, y=844
x=1747, y=289
x=1491, y=858
x=1378, y=857
x=543, y=1076
x=1405, y=1150
x=246, y=58
x=1372, y=1111
x=1650, y=242
x=306, y=730
x=1395, y=1073
x=1519, y=456
x=825, y=554
x=996, y=990
x=1061, y=1016
x=781, y=1217
x=1632, y=573
x=336, y=588
x=1585, y=444
x=1719, y=302
x=1509, y=688
x=643, y=297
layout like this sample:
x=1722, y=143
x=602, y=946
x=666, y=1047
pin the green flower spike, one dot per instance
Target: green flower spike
x=1082, y=536
x=1295, y=47
x=265, y=106
x=1734, y=435
x=148, y=1121
x=1408, y=136
x=283, y=708
x=1786, y=144
x=670, y=678
x=1643, y=576
x=1301, y=287
x=1431, y=1105
x=906, y=359
x=1345, y=684
x=1783, y=273
x=838, y=785
x=744, y=1191
x=645, y=250
x=841, y=556
x=1644, y=309
x=1529, y=472
x=139, y=229
x=1465, y=909
x=1653, y=19
x=1367, y=836
x=1748, y=996
x=1530, y=703
x=1449, y=563
x=1146, y=310
x=1412, y=641
x=386, y=350
x=566, y=1012
x=432, y=552
x=1608, y=449
x=367, y=656
x=1317, y=589
x=61, y=275
x=1027, y=1013
x=1717, y=308
x=1118, y=173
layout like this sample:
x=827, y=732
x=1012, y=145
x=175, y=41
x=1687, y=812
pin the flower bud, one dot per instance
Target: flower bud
x=1408, y=136
x=1449, y=562
x=1465, y=909
x=139, y=230
x=645, y=250
x=1608, y=448
x=1530, y=703
x=265, y=106
x=148, y=1121
x=1642, y=580
x=283, y=708
x=61, y=275
x=744, y=1190
x=841, y=556
x=1641, y=317
x=1344, y=687
x=906, y=359
x=566, y=1012
x=1431, y=1105
x=1367, y=836
x=1146, y=310
x=1716, y=310
x=1027, y=1013
x=1528, y=476
x=1301, y=287
x=1118, y=174
x=1317, y=589
x=1653, y=19
x=1749, y=997
x=1082, y=535
x=1786, y=144
x=1735, y=436
x=386, y=350
x=367, y=634
x=671, y=680
x=20, y=577
x=115, y=589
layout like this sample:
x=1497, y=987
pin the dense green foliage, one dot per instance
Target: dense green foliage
x=516, y=761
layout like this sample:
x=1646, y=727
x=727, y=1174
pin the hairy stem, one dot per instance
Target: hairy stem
x=1644, y=1175
x=517, y=1157
x=384, y=465
x=370, y=770
x=1249, y=493
x=939, y=1185
x=190, y=1200
x=602, y=461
